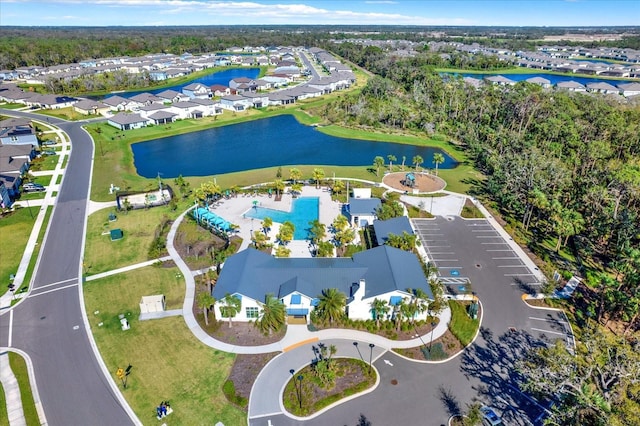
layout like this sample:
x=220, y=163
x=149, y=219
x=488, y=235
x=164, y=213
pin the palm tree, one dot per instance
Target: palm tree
x=205, y=300
x=267, y=223
x=338, y=186
x=417, y=160
x=232, y=306
x=317, y=231
x=295, y=174
x=378, y=162
x=325, y=249
x=379, y=308
x=404, y=158
x=286, y=232
x=340, y=223
x=419, y=301
x=399, y=310
x=278, y=185
x=282, y=251
x=260, y=240
x=271, y=315
x=331, y=304
x=438, y=158
x=318, y=175
x=391, y=159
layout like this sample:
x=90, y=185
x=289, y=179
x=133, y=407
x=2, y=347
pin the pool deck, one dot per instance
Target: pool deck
x=233, y=210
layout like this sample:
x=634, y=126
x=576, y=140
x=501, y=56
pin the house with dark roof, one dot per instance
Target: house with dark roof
x=395, y=226
x=383, y=272
x=91, y=107
x=127, y=121
x=17, y=131
x=172, y=96
x=14, y=163
x=219, y=90
x=162, y=117
x=118, y=103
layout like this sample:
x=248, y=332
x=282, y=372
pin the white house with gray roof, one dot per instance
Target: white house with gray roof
x=127, y=121
x=383, y=272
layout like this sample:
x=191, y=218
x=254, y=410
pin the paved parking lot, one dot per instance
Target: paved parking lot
x=473, y=251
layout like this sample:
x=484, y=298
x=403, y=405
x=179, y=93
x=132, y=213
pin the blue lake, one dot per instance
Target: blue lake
x=554, y=79
x=271, y=142
x=220, y=77
x=303, y=211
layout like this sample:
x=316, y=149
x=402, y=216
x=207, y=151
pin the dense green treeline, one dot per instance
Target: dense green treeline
x=564, y=170
x=51, y=46
x=565, y=166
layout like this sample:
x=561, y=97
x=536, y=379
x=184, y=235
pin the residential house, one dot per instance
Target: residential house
x=383, y=272
x=127, y=121
x=473, y=82
x=602, y=87
x=500, y=80
x=243, y=84
x=51, y=101
x=235, y=103
x=629, y=89
x=146, y=99
x=91, y=107
x=361, y=212
x=162, y=117
x=540, y=81
x=281, y=98
x=14, y=163
x=186, y=109
x=197, y=90
x=172, y=96
x=572, y=86
x=219, y=90
x=258, y=100
x=206, y=108
x=147, y=110
x=262, y=84
x=118, y=103
x=17, y=131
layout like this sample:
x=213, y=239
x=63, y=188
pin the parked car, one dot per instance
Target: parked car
x=489, y=417
x=33, y=187
x=49, y=143
x=48, y=152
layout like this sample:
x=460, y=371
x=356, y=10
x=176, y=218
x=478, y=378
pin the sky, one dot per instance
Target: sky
x=327, y=12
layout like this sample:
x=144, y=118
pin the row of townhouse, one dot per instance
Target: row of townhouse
x=12, y=94
x=624, y=89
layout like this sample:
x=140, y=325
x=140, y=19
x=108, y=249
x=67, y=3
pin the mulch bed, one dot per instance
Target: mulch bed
x=419, y=330
x=450, y=345
x=423, y=182
x=246, y=369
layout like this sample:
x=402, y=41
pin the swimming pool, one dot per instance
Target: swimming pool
x=303, y=211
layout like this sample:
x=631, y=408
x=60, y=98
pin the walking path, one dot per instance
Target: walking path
x=11, y=392
x=127, y=268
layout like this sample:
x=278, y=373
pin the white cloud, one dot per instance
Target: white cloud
x=380, y=2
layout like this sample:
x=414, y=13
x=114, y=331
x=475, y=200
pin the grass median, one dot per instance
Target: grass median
x=168, y=362
x=19, y=369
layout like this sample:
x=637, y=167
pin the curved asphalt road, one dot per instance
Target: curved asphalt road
x=49, y=324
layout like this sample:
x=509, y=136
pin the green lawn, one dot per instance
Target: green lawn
x=12, y=105
x=3, y=404
x=47, y=162
x=67, y=113
x=462, y=326
x=14, y=232
x=138, y=226
x=19, y=368
x=168, y=362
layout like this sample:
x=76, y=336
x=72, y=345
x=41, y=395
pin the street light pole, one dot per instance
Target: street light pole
x=371, y=346
x=358, y=349
x=300, y=390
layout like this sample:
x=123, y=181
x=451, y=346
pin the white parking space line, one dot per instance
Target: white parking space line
x=430, y=246
x=549, y=331
x=505, y=258
x=502, y=243
x=500, y=249
x=549, y=319
x=446, y=260
x=529, y=284
x=485, y=230
x=450, y=267
x=519, y=275
x=512, y=266
x=488, y=236
x=442, y=252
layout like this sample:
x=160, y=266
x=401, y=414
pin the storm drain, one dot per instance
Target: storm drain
x=394, y=382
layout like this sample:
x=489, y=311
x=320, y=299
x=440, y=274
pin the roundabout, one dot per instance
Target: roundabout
x=418, y=183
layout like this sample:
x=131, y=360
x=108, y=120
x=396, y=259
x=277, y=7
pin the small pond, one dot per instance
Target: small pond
x=271, y=142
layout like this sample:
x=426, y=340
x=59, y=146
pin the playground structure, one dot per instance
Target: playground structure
x=207, y=219
x=409, y=180
x=416, y=182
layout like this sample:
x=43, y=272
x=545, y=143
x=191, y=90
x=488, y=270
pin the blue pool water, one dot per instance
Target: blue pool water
x=303, y=211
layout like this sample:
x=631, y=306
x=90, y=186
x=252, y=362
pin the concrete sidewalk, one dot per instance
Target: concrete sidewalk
x=127, y=268
x=11, y=392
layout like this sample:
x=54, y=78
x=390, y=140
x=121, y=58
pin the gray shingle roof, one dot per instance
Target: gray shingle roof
x=123, y=118
x=254, y=274
x=395, y=226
